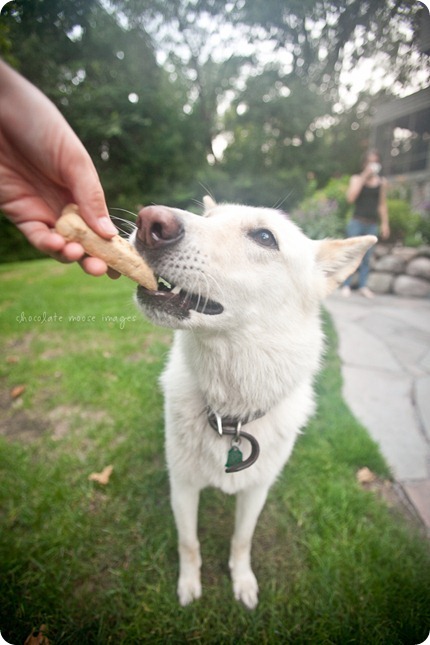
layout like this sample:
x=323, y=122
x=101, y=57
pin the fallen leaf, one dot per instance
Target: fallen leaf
x=12, y=359
x=17, y=391
x=103, y=477
x=365, y=476
x=37, y=637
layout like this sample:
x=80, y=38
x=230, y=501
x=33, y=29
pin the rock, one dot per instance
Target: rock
x=380, y=282
x=404, y=271
x=381, y=249
x=391, y=264
x=410, y=287
x=423, y=251
x=373, y=261
x=419, y=267
x=407, y=253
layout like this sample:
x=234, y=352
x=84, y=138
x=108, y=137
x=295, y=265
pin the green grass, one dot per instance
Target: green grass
x=98, y=564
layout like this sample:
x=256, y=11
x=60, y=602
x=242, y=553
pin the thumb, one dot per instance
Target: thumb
x=87, y=191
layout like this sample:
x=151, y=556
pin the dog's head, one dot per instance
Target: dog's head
x=235, y=263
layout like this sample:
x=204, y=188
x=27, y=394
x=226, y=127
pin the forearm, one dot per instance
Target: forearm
x=355, y=187
x=383, y=215
x=31, y=122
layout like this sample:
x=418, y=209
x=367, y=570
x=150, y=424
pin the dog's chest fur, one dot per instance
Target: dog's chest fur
x=237, y=377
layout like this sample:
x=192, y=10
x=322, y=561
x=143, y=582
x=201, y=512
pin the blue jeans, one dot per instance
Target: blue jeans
x=355, y=228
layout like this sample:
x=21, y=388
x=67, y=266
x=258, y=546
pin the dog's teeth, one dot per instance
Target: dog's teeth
x=176, y=290
x=164, y=282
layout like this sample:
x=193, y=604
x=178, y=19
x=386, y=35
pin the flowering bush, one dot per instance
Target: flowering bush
x=324, y=213
x=407, y=227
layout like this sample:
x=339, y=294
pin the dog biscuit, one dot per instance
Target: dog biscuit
x=116, y=252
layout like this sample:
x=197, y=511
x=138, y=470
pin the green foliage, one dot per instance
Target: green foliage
x=281, y=189
x=423, y=229
x=98, y=564
x=305, y=28
x=195, y=71
x=323, y=213
x=270, y=125
x=141, y=147
x=405, y=225
x=13, y=244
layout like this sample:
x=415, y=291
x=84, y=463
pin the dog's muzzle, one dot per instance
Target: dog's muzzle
x=159, y=229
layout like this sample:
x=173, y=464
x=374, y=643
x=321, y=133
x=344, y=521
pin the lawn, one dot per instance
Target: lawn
x=97, y=563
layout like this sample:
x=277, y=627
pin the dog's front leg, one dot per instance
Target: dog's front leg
x=185, y=503
x=248, y=507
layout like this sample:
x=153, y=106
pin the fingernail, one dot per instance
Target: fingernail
x=107, y=226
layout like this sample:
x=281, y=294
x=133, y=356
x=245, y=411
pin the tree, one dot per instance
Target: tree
x=325, y=37
x=105, y=79
x=198, y=47
x=312, y=45
x=150, y=86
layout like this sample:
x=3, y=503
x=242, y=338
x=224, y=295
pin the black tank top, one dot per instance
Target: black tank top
x=366, y=204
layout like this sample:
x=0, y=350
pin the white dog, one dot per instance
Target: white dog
x=243, y=285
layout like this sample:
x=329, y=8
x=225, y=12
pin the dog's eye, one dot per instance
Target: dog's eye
x=264, y=237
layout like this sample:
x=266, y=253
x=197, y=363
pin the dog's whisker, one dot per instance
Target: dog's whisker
x=198, y=203
x=123, y=219
x=123, y=225
x=126, y=225
x=207, y=190
x=208, y=277
x=280, y=201
x=124, y=210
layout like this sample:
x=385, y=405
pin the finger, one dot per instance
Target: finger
x=88, y=193
x=72, y=252
x=101, y=224
x=93, y=266
x=42, y=237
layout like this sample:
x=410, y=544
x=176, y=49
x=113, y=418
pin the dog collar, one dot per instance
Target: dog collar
x=232, y=427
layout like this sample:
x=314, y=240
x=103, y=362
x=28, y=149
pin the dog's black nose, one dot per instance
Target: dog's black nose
x=158, y=226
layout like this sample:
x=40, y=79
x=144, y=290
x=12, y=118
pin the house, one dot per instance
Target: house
x=401, y=134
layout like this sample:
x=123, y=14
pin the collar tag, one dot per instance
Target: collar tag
x=234, y=456
x=233, y=428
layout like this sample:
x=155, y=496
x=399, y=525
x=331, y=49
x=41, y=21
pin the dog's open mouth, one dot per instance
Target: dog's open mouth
x=176, y=301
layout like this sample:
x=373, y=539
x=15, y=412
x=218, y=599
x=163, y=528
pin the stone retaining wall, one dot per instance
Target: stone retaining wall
x=401, y=270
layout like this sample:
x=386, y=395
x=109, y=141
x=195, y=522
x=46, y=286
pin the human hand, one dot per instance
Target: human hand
x=385, y=230
x=43, y=167
x=367, y=172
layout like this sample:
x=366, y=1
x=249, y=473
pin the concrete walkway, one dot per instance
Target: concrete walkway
x=384, y=347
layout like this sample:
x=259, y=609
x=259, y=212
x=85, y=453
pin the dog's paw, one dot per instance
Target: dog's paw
x=189, y=589
x=245, y=589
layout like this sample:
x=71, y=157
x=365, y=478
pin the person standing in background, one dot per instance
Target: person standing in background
x=367, y=191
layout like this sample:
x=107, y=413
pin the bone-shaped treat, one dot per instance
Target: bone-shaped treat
x=116, y=252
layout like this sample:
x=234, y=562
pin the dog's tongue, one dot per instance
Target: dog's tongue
x=178, y=304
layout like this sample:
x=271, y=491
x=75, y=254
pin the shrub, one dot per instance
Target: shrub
x=423, y=232
x=406, y=226
x=13, y=245
x=323, y=214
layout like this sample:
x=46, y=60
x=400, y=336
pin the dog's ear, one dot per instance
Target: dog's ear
x=338, y=259
x=208, y=203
